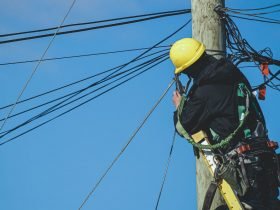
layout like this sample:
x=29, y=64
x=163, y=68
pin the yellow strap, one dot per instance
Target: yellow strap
x=226, y=191
x=199, y=136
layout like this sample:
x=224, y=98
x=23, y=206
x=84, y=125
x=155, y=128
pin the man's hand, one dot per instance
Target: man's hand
x=176, y=98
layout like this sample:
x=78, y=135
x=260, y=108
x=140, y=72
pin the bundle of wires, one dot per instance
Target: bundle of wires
x=241, y=51
x=112, y=78
x=256, y=14
x=108, y=80
x=86, y=26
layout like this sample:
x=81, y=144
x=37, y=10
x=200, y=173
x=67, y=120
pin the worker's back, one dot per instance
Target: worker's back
x=221, y=103
x=212, y=101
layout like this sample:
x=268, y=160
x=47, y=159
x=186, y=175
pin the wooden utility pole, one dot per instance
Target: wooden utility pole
x=207, y=28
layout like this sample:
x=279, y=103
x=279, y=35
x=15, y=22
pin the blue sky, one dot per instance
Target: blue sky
x=55, y=166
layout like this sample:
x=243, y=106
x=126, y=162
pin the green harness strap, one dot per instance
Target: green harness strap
x=227, y=140
x=241, y=109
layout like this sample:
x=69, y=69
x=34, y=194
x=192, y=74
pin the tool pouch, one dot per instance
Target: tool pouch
x=231, y=173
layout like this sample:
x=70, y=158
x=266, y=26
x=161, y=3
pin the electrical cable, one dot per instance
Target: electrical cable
x=275, y=75
x=61, y=105
x=73, y=94
x=91, y=54
x=266, y=82
x=166, y=170
x=51, y=101
x=124, y=148
x=166, y=38
x=53, y=108
x=261, y=8
x=157, y=44
x=252, y=14
x=258, y=20
x=33, y=128
x=78, y=56
x=90, y=28
x=255, y=15
x=87, y=101
x=240, y=49
x=133, y=60
x=93, y=22
x=38, y=64
x=74, y=83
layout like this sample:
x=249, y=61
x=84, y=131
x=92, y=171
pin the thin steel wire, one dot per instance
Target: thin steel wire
x=126, y=145
x=36, y=67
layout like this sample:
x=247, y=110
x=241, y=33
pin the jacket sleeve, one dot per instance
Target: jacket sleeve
x=194, y=114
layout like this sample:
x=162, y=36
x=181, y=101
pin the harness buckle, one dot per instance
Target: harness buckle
x=243, y=148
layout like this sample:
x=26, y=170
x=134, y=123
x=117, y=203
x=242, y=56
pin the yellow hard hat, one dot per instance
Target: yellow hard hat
x=185, y=52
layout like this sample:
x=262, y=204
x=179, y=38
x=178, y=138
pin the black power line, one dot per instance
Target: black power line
x=106, y=77
x=38, y=64
x=92, y=54
x=95, y=27
x=264, y=20
x=239, y=46
x=78, y=56
x=260, y=8
x=274, y=76
x=255, y=15
x=70, y=84
x=262, y=13
x=133, y=60
x=77, y=106
x=75, y=93
x=242, y=51
x=72, y=95
x=93, y=22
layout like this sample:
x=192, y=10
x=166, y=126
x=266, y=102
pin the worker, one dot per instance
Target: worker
x=217, y=103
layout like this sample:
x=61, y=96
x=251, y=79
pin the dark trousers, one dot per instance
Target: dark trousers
x=261, y=172
x=262, y=176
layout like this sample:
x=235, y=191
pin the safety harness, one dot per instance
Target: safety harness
x=244, y=112
x=227, y=164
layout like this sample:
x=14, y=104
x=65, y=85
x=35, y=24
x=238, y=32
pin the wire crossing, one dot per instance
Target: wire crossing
x=38, y=64
x=60, y=105
x=242, y=51
x=87, y=101
x=75, y=83
x=79, y=56
x=106, y=78
x=63, y=103
x=125, y=147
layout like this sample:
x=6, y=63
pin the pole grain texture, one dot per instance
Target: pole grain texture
x=207, y=28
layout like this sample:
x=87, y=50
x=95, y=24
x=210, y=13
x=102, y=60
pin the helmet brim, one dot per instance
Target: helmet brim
x=198, y=54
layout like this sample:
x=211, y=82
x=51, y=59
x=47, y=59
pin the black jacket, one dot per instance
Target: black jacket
x=212, y=99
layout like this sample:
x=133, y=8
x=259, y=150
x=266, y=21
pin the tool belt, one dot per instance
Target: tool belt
x=232, y=166
x=235, y=166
